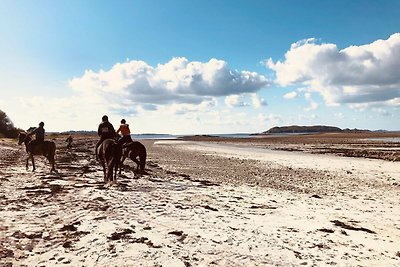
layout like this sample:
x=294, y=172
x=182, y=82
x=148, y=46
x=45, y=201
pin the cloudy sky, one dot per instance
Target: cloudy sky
x=200, y=67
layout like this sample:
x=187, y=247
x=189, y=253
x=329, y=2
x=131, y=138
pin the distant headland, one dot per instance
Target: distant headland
x=295, y=129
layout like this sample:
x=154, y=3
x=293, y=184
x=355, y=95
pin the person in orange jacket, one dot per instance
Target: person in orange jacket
x=126, y=133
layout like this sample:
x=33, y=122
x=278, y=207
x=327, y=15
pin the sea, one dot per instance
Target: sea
x=176, y=136
x=238, y=135
x=386, y=139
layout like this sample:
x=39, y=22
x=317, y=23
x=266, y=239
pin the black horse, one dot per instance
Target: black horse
x=109, y=153
x=46, y=148
x=133, y=150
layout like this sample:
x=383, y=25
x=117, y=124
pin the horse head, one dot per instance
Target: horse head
x=22, y=137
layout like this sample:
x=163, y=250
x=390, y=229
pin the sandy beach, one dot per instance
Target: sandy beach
x=295, y=201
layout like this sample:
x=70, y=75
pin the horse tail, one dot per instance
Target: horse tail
x=115, y=161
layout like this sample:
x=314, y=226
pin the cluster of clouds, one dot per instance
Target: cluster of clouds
x=245, y=100
x=362, y=77
x=179, y=83
x=366, y=76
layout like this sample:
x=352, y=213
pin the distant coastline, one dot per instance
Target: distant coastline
x=295, y=129
x=282, y=130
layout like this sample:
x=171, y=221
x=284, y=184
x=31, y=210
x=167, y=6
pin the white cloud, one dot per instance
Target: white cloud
x=235, y=101
x=382, y=111
x=257, y=101
x=58, y=113
x=290, y=95
x=356, y=74
x=312, y=106
x=339, y=115
x=179, y=108
x=177, y=81
x=176, y=97
x=395, y=102
x=306, y=118
x=244, y=100
x=272, y=119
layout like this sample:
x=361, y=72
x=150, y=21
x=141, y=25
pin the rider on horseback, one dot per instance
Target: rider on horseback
x=126, y=133
x=39, y=135
x=105, y=131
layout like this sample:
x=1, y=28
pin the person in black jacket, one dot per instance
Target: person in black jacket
x=105, y=131
x=39, y=135
x=69, y=141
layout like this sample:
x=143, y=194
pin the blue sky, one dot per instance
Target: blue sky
x=188, y=67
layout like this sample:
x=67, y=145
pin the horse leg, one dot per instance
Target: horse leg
x=53, y=169
x=142, y=158
x=137, y=164
x=99, y=157
x=142, y=165
x=33, y=163
x=116, y=162
x=109, y=170
x=104, y=170
x=52, y=165
x=118, y=165
x=51, y=161
x=121, y=164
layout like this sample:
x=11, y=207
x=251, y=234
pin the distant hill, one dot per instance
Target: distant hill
x=308, y=129
x=80, y=132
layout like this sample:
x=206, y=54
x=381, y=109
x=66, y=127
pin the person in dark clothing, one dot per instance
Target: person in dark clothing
x=105, y=131
x=39, y=135
x=69, y=142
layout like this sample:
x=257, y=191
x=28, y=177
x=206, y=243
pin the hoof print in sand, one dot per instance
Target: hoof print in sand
x=349, y=227
x=181, y=236
x=207, y=207
x=124, y=234
x=6, y=253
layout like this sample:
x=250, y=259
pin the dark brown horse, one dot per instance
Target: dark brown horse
x=109, y=153
x=133, y=150
x=45, y=148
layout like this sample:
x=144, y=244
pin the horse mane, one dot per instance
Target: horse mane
x=24, y=133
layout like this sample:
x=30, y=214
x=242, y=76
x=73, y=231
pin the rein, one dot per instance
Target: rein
x=26, y=139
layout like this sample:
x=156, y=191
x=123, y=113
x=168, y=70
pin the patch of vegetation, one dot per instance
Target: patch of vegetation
x=7, y=128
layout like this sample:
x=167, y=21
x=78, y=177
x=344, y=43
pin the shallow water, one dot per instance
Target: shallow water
x=385, y=139
x=362, y=166
x=176, y=136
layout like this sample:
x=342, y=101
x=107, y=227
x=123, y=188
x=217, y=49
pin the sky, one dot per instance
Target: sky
x=201, y=66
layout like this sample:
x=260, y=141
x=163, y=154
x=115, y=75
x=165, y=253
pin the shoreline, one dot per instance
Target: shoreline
x=292, y=159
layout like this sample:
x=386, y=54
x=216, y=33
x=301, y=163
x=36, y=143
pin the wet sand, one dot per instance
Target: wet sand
x=205, y=202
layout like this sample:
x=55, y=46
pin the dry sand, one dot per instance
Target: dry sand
x=215, y=203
